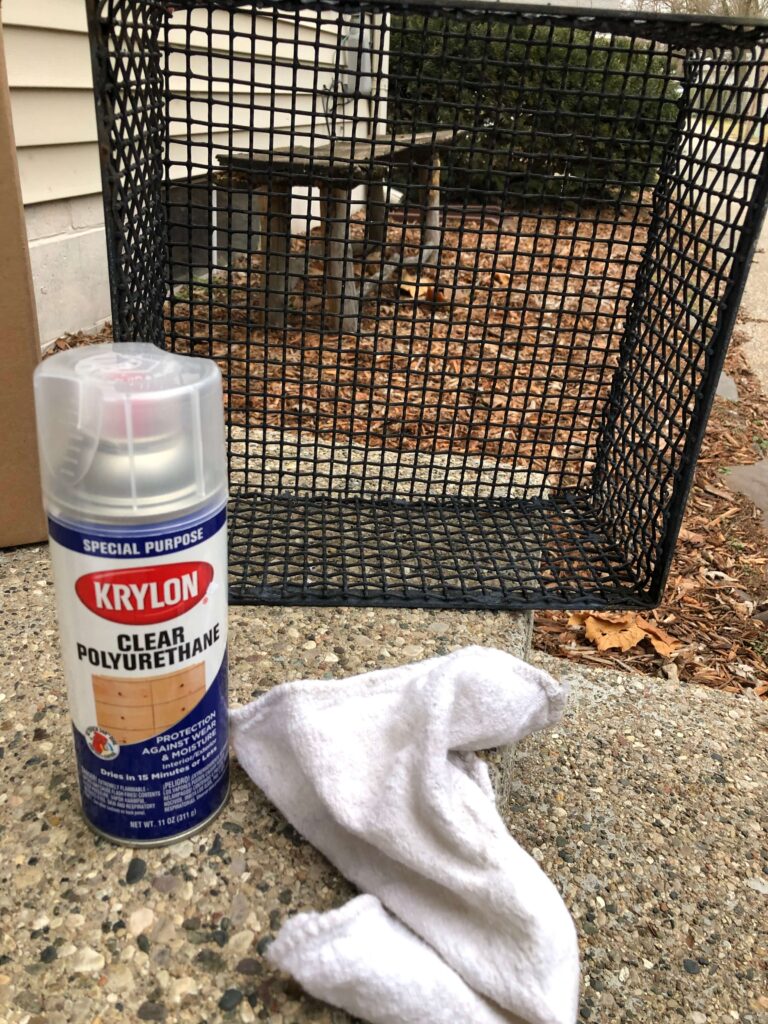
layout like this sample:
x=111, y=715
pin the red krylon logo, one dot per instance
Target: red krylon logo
x=145, y=595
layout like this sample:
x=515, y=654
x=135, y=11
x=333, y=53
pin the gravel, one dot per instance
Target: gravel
x=646, y=807
x=231, y=999
x=137, y=868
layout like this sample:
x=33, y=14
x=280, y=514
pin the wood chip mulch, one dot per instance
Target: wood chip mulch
x=521, y=335
x=444, y=381
x=716, y=600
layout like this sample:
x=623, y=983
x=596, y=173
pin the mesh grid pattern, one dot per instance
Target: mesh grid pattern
x=469, y=270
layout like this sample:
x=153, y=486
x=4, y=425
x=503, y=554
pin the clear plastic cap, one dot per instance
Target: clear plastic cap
x=129, y=431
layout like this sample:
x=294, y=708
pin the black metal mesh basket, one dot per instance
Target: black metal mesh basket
x=469, y=270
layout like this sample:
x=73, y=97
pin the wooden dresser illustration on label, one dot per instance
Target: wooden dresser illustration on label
x=133, y=710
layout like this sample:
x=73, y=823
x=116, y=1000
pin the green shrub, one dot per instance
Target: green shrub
x=547, y=113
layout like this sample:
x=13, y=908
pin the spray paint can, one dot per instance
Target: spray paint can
x=135, y=484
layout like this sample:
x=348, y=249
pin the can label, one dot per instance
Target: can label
x=143, y=622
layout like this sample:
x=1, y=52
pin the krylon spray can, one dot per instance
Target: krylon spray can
x=135, y=485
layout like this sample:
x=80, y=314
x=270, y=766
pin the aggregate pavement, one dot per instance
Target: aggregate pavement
x=646, y=806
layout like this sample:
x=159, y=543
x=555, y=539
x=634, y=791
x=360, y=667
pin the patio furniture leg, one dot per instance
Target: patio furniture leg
x=375, y=221
x=239, y=214
x=324, y=228
x=340, y=274
x=278, y=245
x=431, y=231
x=428, y=179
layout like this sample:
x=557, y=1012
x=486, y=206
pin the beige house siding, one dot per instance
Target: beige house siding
x=49, y=71
x=208, y=116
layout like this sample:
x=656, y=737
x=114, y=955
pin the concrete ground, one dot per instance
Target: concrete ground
x=752, y=481
x=646, y=807
x=754, y=311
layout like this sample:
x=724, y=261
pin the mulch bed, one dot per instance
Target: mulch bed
x=430, y=373
x=497, y=358
x=716, y=600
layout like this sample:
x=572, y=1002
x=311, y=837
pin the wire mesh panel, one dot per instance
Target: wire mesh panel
x=469, y=270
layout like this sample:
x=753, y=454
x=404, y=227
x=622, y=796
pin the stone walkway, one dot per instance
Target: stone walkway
x=646, y=808
x=754, y=311
x=752, y=481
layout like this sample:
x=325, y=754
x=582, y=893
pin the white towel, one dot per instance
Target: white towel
x=379, y=773
x=364, y=960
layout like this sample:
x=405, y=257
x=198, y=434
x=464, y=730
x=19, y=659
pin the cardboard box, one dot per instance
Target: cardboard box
x=21, y=510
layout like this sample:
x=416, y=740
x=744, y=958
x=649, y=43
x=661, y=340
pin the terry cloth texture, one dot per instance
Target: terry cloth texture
x=379, y=772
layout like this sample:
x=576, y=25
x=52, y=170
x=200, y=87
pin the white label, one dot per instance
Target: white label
x=143, y=621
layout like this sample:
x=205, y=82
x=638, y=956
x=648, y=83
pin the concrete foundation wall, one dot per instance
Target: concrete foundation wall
x=68, y=253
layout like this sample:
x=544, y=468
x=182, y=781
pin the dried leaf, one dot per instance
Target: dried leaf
x=691, y=537
x=577, y=618
x=420, y=290
x=605, y=634
x=684, y=584
x=623, y=630
x=662, y=642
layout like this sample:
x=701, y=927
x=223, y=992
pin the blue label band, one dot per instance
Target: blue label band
x=136, y=541
x=160, y=787
x=152, y=751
